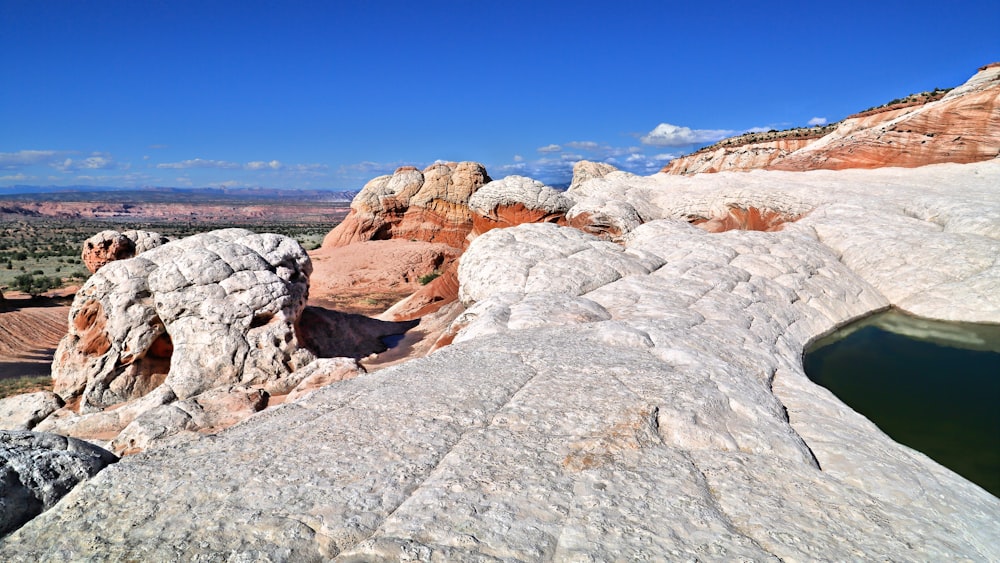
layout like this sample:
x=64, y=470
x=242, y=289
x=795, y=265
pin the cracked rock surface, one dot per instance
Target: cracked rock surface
x=604, y=402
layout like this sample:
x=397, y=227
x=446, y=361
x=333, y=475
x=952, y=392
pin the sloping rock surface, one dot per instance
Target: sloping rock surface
x=606, y=402
x=37, y=469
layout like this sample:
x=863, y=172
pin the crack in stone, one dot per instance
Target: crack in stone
x=717, y=505
x=458, y=441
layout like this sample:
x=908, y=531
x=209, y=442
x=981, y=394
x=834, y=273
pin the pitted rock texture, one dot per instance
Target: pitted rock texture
x=37, y=469
x=429, y=205
x=604, y=403
x=213, y=309
x=108, y=246
x=962, y=127
x=515, y=200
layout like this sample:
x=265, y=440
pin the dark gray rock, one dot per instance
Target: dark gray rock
x=37, y=469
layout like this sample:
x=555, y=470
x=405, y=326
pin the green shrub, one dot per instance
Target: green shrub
x=428, y=278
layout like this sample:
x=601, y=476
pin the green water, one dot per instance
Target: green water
x=931, y=385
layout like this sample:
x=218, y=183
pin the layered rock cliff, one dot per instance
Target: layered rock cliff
x=962, y=126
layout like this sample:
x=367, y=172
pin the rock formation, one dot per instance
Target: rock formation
x=36, y=470
x=516, y=200
x=429, y=205
x=603, y=401
x=961, y=126
x=108, y=246
x=187, y=337
x=212, y=309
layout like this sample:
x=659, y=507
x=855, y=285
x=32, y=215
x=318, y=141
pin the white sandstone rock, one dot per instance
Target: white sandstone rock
x=514, y=190
x=209, y=310
x=23, y=412
x=664, y=414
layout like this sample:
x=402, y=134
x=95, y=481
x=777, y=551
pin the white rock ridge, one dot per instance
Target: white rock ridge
x=604, y=402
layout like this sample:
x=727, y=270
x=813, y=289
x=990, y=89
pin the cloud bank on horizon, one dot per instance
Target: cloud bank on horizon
x=553, y=164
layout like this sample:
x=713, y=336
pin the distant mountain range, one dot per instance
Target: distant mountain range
x=168, y=195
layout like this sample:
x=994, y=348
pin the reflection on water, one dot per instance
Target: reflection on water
x=931, y=385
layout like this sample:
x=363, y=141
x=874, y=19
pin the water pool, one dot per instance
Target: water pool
x=933, y=386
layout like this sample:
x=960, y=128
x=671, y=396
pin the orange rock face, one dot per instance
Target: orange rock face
x=512, y=215
x=962, y=126
x=104, y=247
x=740, y=219
x=428, y=299
x=429, y=205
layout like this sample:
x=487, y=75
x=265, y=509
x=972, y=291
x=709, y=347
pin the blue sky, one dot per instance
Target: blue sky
x=329, y=94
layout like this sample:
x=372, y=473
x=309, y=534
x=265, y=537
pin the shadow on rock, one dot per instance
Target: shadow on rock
x=332, y=334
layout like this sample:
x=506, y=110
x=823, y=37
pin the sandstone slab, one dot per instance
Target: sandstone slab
x=616, y=402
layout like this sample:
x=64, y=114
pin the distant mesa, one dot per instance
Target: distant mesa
x=959, y=125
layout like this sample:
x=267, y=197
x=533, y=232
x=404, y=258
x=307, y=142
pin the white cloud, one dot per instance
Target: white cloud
x=583, y=145
x=199, y=163
x=518, y=158
x=15, y=178
x=668, y=135
x=549, y=149
x=261, y=165
x=817, y=121
x=306, y=167
x=369, y=169
x=20, y=159
x=96, y=161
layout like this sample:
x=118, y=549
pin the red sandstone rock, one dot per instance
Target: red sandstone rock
x=428, y=299
x=430, y=206
x=962, y=126
x=513, y=215
x=376, y=266
x=750, y=219
x=104, y=247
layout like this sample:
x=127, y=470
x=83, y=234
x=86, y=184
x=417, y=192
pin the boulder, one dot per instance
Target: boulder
x=23, y=412
x=108, y=246
x=104, y=247
x=429, y=205
x=38, y=469
x=515, y=200
x=213, y=309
